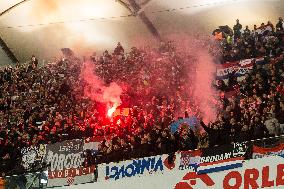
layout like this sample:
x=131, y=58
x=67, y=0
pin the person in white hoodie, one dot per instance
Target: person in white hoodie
x=272, y=125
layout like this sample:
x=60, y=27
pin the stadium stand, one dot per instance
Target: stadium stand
x=46, y=104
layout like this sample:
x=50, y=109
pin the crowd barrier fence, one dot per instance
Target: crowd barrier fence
x=57, y=175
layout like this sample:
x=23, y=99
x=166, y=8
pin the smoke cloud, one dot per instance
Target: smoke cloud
x=200, y=54
x=203, y=91
x=193, y=54
x=97, y=90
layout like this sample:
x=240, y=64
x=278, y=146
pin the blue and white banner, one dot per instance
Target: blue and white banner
x=136, y=168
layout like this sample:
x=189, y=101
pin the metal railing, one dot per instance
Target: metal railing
x=268, y=142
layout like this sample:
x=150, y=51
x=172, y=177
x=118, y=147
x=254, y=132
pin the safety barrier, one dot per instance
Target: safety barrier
x=57, y=175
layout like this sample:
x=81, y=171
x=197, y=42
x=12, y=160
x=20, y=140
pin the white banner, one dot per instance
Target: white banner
x=136, y=168
x=265, y=173
x=32, y=155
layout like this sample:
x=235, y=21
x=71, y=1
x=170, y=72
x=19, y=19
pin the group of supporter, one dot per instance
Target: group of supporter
x=46, y=103
x=242, y=42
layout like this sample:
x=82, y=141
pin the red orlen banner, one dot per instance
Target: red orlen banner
x=262, y=173
x=251, y=178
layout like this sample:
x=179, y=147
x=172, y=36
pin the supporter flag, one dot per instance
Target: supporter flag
x=259, y=152
x=239, y=67
x=260, y=61
x=264, y=29
x=190, y=160
x=191, y=122
x=92, y=144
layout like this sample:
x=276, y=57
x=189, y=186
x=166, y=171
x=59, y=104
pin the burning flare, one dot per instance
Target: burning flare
x=112, y=110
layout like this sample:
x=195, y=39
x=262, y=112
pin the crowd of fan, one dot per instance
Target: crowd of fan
x=241, y=43
x=46, y=104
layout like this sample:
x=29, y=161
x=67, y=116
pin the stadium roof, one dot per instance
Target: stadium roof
x=43, y=27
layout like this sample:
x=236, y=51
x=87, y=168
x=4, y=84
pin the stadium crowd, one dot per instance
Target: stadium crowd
x=46, y=104
x=242, y=42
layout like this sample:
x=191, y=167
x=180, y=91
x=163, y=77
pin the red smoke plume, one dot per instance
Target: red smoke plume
x=201, y=70
x=98, y=91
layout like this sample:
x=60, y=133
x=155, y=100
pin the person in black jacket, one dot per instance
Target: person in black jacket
x=235, y=129
x=188, y=140
x=245, y=133
x=17, y=175
x=219, y=133
x=237, y=29
x=6, y=164
x=280, y=24
x=213, y=133
x=259, y=129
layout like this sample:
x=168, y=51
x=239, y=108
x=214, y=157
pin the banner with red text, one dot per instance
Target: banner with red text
x=65, y=160
x=237, y=68
x=71, y=176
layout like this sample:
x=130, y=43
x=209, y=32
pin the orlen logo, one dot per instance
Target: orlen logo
x=263, y=177
x=189, y=180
